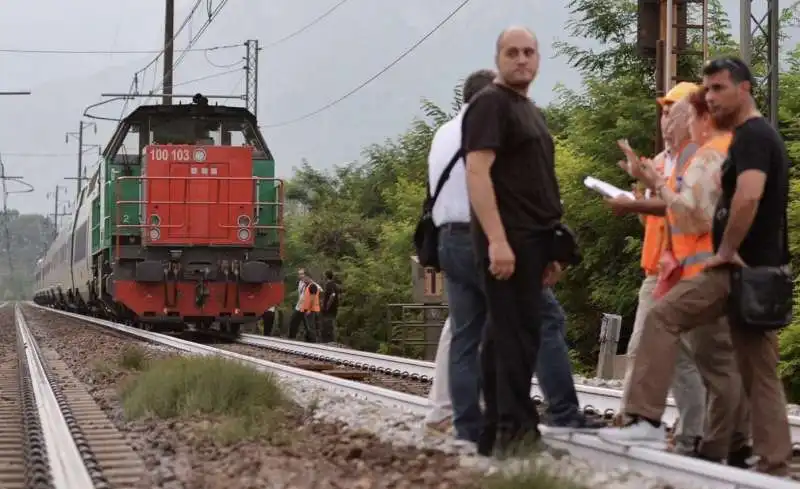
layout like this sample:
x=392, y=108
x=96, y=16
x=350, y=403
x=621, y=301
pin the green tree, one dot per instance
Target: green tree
x=30, y=235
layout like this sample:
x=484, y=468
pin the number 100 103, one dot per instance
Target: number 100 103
x=174, y=154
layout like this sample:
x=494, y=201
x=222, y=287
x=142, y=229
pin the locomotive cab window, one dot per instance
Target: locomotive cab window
x=204, y=130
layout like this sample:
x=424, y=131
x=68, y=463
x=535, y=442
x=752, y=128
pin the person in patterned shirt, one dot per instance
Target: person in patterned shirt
x=691, y=197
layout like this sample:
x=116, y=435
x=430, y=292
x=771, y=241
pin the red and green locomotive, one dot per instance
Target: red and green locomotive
x=182, y=224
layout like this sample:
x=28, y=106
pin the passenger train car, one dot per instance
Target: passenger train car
x=181, y=224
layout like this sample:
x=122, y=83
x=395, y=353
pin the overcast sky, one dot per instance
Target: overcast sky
x=296, y=76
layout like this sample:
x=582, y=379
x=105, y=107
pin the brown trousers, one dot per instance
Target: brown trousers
x=702, y=300
x=727, y=426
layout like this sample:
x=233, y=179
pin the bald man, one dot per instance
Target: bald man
x=516, y=202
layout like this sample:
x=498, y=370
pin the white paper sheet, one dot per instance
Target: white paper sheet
x=606, y=189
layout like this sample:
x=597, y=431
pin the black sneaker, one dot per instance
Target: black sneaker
x=579, y=424
x=738, y=458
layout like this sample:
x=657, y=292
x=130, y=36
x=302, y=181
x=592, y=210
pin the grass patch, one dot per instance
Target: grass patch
x=133, y=358
x=529, y=480
x=539, y=479
x=104, y=370
x=241, y=402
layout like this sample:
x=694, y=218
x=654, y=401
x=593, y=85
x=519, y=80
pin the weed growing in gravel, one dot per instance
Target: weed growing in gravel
x=104, y=370
x=133, y=357
x=243, y=402
x=528, y=480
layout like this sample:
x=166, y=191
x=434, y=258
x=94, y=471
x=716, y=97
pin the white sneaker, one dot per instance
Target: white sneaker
x=639, y=433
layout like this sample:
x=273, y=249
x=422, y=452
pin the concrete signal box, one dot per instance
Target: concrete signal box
x=427, y=285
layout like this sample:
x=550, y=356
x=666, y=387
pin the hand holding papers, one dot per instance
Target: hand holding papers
x=606, y=189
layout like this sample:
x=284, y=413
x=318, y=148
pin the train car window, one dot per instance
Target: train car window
x=130, y=149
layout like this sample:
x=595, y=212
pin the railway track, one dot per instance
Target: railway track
x=52, y=434
x=599, y=400
x=607, y=457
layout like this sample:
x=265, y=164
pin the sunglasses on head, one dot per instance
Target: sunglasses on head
x=731, y=64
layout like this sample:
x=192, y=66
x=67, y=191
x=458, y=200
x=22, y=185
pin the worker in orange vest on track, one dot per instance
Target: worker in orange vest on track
x=687, y=384
x=310, y=307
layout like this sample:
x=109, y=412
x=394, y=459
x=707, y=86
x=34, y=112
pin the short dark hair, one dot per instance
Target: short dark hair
x=476, y=82
x=329, y=275
x=738, y=69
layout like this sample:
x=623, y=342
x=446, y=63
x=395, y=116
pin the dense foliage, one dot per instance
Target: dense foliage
x=30, y=234
x=358, y=219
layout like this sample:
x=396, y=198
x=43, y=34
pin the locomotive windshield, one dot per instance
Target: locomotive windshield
x=185, y=124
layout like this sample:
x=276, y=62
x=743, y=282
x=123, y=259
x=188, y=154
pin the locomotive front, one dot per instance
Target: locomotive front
x=197, y=224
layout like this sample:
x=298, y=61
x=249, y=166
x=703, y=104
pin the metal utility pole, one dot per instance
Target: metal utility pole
x=55, y=194
x=82, y=125
x=4, y=179
x=767, y=52
x=169, y=50
x=251, y=75
x=663, y=35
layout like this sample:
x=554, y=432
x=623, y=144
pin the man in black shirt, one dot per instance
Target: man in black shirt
x=330, y=307
x=515, y=201
x=747, y=231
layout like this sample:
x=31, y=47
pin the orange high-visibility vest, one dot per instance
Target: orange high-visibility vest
x=693, y=250
x=310, y=302
x=653, y=236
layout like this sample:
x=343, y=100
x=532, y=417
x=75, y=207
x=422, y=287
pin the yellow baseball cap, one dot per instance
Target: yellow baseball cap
x=677, y=92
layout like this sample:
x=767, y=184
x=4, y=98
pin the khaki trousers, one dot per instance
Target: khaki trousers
x=727, y=425
x=687, y=385
x=701, y=301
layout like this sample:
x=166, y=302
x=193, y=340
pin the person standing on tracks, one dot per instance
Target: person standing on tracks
x=330, y=308
x=297, y=315
x=687, y=384
x=690, y=196
x=515, y=199
x=310, y=307
x=457, y=354
x=749, y=229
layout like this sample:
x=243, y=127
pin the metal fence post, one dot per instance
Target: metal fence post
x=609, y=339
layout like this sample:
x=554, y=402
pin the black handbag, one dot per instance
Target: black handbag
x=762, y=298
x=564, y=247
x=426, y=236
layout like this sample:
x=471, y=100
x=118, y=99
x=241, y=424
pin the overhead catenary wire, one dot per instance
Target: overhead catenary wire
x=212, y=14
x=110, y=52
x=305, y=27
x=376, y=75
x=171, y=42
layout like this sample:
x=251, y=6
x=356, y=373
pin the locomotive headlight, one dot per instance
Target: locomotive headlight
x=243, y=234
x=243, y=221
x=155, y=233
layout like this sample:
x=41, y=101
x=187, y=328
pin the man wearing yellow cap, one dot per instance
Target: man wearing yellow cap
x=687, y=385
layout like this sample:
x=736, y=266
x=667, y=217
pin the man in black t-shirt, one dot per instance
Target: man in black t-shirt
x=515, y=201
x=748, y=230
x=330, y=307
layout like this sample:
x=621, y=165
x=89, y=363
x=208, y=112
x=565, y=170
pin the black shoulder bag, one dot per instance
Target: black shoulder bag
x=761, y=298
x=426, y=236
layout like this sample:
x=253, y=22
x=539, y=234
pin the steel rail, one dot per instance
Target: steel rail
x=648, y=461
x=65, y=460
x=601, y=399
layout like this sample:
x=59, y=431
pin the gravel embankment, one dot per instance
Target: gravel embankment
x=321, y=454
x=334, y=442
